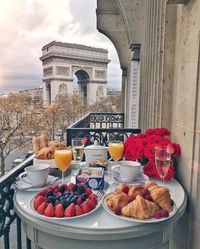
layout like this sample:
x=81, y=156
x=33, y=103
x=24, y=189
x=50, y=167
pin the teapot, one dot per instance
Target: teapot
x=95, y=152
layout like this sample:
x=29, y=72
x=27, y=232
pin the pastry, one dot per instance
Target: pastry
x=44, y=153
x=116, y=200
x=140, y=208
x=43, y=141
x=160, y=195
x=135, y=190
x=36, y=145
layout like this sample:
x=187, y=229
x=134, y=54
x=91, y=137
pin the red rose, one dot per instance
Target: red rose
x=153, y=139
x=149, y=151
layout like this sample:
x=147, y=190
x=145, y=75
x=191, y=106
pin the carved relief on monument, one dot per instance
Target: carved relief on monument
x=62, y=70
x=100, y=74
x=48, y=71
x=63, y=89
x=99, y=93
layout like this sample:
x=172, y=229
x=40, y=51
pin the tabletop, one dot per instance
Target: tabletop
x=99, y=225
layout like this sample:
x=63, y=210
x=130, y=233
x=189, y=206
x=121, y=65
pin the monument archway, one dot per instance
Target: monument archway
x=61, y=61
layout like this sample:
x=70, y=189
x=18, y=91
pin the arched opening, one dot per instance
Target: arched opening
x=82, y=79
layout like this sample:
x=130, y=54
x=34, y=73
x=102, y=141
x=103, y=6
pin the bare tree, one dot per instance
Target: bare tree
x=18, y=119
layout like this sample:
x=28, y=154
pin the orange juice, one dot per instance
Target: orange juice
x=63, y=159
x=116, y=150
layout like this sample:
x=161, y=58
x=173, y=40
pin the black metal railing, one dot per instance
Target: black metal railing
x=7, y=212
x=102, y=127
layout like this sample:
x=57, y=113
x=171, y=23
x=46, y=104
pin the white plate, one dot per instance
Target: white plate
x=65, y=218
x=151, y=220
x=141, y=178
x=21, y=185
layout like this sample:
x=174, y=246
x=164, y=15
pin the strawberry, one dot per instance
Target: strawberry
x=90, y=203
x=70, y=211
x=59, y=210
x=49, y=211
x=49, y=188
x=70, y=186
x=85, y=207
x=42, y=207
x=88, y=190
x=37, y=201
x=170, y=149
x=79, y=210
x=42, y=193
x=93, y=198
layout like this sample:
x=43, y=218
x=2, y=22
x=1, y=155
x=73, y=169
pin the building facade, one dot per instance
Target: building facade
x=66, y=64
x=158, y=44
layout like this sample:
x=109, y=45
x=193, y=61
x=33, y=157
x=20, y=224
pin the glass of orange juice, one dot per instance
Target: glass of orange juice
x=63, y=158
x=116, y=150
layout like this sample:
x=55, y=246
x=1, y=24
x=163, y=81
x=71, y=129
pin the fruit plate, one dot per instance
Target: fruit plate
x=151, y=220
x=66, y=218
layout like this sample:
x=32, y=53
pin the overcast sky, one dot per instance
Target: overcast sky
x=27, y=25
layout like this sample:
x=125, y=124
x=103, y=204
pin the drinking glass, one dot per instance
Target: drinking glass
x=77, y=149
x=63, y=158
x=116, y=150
x=162, y=160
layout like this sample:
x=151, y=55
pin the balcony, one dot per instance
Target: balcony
x=96, y=126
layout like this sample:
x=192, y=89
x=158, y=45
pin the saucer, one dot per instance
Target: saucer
x=141, y=178
x=21, y=185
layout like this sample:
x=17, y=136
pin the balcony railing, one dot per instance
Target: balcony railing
x=7, y=213
x=96, y=126
x=102, y=127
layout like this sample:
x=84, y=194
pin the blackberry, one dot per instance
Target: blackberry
x=67, y=193
x=74, y=199
x=62, y=189
x=50, y=193
x=51, y=199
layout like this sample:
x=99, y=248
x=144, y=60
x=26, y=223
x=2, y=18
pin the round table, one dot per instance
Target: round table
x=98, y=229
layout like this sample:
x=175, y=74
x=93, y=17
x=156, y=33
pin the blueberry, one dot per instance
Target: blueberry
x=62, y=189
x=50, y=193
x=74, y=189
x=84, y=196
x=65, y=203
x=81, y=190
x=67, y=193
x=51, y=199
x=74, y=200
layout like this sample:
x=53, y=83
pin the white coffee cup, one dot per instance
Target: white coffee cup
x=36, y=174
x=129, y=170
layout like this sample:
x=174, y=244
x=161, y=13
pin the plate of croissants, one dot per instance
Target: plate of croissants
x=147, y=203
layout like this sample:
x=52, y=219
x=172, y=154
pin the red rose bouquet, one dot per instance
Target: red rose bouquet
x=141, y=147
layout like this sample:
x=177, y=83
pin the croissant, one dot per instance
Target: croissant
x=140, y=208
x=136, y=190
x=121, y=186
x=116, y=200
x=44, y=153
x=160, y=195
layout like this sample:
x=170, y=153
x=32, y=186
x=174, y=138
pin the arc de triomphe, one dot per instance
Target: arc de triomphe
x=63, y=61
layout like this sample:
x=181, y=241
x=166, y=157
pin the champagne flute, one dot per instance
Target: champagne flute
x=116, y=150
x=162, y=160
x=63, y=158
x=77, y=149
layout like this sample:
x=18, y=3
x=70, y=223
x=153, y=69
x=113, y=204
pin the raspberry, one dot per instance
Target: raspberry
x=147, y=197
x=117, y=211
x=131, y=198
x=158, y=215
x=145, y=191
x=164, y=213
x=125, y=189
